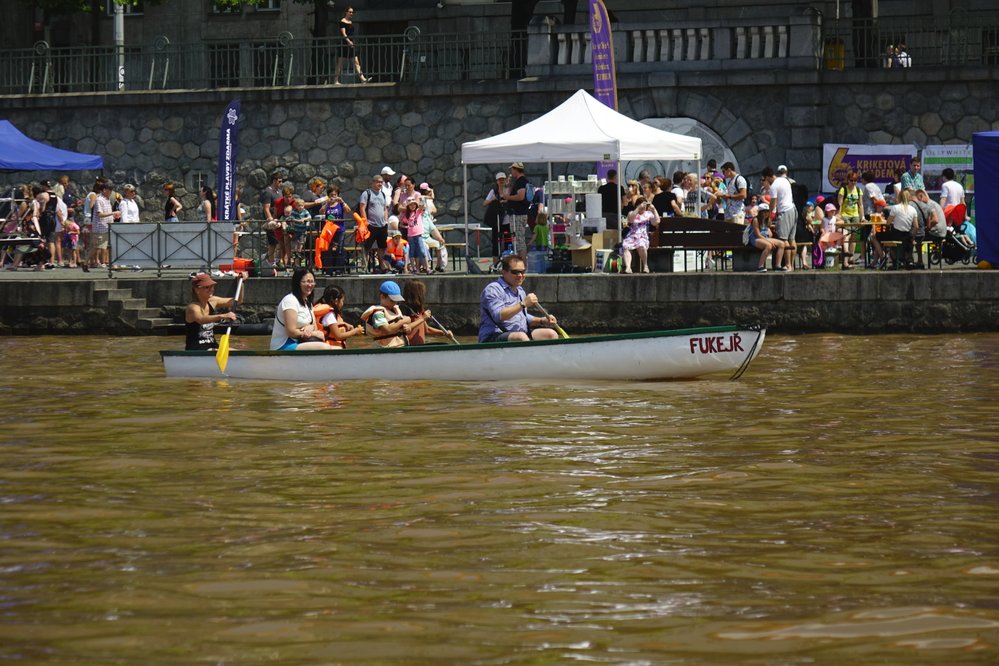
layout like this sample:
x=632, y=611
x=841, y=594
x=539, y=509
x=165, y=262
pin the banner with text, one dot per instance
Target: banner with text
x=960, y=158
x=228, y=139
x=838, y=160
x=604, y=70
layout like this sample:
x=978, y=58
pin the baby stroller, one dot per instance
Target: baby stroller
x=18, y=238
x=957, y=247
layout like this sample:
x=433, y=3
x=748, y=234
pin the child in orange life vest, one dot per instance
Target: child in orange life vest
x=397, y=251
x=384, y=322
x=327, y=311
x=415, y=293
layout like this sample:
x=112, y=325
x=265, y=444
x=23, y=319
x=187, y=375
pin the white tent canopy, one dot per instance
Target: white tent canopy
x=581, y=129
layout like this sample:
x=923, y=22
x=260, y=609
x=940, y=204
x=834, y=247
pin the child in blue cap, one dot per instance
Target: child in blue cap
x=384, y=323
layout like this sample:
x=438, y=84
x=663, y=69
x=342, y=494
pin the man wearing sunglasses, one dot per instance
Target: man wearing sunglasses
x=504, y=306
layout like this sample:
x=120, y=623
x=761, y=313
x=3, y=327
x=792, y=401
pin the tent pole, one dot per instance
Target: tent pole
x=464, y=168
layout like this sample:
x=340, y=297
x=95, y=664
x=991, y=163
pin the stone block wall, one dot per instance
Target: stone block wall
x=347, y=134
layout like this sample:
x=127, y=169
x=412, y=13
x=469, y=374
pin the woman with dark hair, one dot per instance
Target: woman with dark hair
x=207, y=205
x=172, y=207
x=294, y=324
x=347, y=50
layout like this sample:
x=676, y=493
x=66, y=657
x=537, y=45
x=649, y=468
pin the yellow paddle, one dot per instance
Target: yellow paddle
x=561, y=333
x=222, y=353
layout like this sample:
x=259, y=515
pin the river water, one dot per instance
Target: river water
x=838, y=503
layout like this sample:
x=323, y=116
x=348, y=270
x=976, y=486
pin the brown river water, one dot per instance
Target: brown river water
x=837, y=504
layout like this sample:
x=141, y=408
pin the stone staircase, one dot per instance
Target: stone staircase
x=132, y=312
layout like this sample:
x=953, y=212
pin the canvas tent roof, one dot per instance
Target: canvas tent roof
x=19, y=153
x=986, y=151
x=581, y=129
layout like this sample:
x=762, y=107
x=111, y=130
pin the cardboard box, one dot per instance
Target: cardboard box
x=584, y=258
x=604, y=240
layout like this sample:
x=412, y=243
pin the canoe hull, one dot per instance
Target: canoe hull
x=639, y=356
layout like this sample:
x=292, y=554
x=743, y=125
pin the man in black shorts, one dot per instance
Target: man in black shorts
x=374, y=207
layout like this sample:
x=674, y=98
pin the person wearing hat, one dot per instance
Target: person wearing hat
x=493, y=203
x=387, y=173
x=397, y=250
x=201, y=314
x=757, y=234
x=517, y=207
x=384, y=323
x=295, y=327
x=833, y=233
x=128, y=207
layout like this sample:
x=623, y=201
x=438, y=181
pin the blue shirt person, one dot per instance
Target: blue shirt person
x=503, y=308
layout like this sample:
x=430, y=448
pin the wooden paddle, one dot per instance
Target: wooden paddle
x=450, y=335
x=222, y=353
x=561, y=333
x=414, y=313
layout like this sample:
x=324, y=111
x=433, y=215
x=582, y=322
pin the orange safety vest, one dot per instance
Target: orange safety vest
x=396, y=248
x=325, y=241
x=320, y=310
x=391, y=340
x=362, y=233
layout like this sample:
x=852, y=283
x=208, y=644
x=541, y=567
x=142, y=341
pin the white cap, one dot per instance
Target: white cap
x=387, y=171
x=500, y=174
x=782, y=168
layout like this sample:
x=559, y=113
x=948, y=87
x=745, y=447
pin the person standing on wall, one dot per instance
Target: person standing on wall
x=348, y=52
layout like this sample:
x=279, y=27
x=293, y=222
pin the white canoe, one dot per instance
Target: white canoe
x=679, y=354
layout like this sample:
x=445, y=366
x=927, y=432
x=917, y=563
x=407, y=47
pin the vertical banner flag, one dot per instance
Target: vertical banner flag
x=228, y=137
x=604, y=70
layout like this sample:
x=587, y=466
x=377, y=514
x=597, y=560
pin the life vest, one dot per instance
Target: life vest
x=320, y=310
x=390, y=340
x=396, y=248
x=362, y=233
x=325, y=241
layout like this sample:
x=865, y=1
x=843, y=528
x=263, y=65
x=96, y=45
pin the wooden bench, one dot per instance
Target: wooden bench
x=692, y=233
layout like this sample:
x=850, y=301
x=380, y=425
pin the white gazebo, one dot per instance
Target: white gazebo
x=581, y=129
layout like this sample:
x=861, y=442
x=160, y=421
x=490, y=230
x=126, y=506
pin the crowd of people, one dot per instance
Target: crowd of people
x=394, y=222
x=394, y=217
x=71, y=228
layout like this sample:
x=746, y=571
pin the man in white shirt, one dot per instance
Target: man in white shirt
x=786, y=215
x=951, y=196
x=128, y=207
x=387, y=173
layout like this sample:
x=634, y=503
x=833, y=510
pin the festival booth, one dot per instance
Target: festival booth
x=581, y=129
x=986, y=147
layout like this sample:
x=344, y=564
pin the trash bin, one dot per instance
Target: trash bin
x=835, y=54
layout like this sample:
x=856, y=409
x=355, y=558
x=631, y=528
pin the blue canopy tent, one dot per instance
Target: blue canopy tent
x=986, y=150
x=19, y=153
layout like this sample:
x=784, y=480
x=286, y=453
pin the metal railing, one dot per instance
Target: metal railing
x=259, y=63
x=960, y=39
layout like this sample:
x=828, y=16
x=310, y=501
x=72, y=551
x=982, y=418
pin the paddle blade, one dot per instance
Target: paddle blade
x=222, y=353
x=561, y=332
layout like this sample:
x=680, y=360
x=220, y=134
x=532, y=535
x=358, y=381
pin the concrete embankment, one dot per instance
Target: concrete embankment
x=804, y=301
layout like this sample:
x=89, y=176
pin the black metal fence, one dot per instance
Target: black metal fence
x=260, y=63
